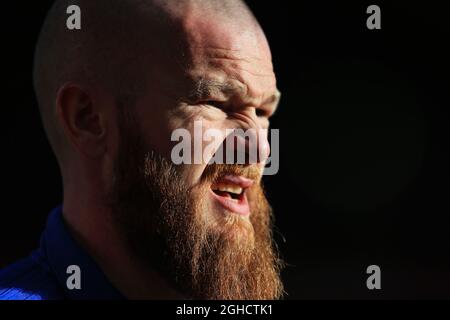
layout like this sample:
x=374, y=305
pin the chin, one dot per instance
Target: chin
x=233, y=228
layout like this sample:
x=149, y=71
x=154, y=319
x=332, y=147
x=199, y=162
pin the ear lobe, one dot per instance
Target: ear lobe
x=81, y=119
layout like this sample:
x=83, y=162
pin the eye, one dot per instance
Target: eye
x=214, y=103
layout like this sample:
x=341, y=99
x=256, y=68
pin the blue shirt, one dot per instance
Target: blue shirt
x=44, y=274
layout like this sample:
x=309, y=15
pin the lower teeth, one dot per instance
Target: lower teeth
x=226, y=194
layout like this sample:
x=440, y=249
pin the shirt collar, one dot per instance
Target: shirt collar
x=62, y=251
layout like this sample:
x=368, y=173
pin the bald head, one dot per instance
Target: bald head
x=113, y=94
x=120, y=44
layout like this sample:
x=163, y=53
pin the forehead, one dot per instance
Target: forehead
x=233, y=53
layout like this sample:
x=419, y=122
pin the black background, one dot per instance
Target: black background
x=364, y=176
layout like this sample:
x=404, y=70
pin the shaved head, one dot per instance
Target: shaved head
x=121, y=45
x=111, y=96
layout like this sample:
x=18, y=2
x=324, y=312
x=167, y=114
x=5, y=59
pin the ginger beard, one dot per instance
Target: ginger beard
x=168, y=226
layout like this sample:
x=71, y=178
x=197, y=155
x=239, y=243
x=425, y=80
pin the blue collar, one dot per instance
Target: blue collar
x=62, y=250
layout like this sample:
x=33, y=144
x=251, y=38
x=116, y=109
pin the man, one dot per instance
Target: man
x=133, y=224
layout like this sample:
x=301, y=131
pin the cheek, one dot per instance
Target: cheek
x=155, y=135
x=202, y=205
x=155, y=123
x=198, y=142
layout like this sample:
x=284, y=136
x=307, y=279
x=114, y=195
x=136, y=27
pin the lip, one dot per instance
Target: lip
x=239, y=206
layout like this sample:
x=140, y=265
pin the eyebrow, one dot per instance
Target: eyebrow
x=209, y=88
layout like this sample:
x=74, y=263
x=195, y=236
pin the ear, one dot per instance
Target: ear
x=82, y=120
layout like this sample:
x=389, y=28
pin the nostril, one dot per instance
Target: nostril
x=260, y=113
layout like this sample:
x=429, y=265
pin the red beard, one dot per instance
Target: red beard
x=162, y=221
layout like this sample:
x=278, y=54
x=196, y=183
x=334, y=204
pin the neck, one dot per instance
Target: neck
x=92, y=227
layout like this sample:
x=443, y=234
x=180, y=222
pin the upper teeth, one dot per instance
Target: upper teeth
x=229, y=188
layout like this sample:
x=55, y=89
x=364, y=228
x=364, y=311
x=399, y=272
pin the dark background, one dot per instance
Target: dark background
x=363, y=121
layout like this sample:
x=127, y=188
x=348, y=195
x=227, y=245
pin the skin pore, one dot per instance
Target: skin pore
x=110, y=97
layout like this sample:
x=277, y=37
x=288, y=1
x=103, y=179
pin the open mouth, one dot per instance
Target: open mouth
x=230, y=193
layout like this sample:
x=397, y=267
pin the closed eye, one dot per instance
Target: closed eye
x=260, y=112
x=214, y=103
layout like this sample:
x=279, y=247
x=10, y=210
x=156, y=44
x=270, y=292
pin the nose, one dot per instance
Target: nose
x=247, y=144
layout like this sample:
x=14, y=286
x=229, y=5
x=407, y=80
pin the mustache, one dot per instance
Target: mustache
x=214, y=172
